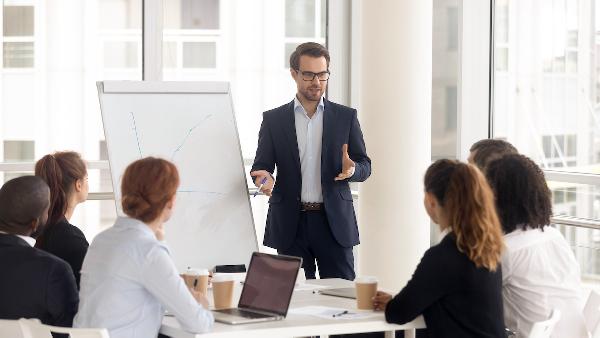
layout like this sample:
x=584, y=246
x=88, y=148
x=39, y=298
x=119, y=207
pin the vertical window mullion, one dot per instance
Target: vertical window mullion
x=152, y=31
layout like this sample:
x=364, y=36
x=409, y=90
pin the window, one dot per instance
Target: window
x=18, y=151
x=55, y=107
x=120, y=38
x=501, y=35
x=546, y=102
x=192, y=37
x=452, y=28
x=305, y=20
x=242, y=43
x=18, y=36
x=444, y=105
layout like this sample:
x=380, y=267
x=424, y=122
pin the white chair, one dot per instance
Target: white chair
x=11, y=328
x=591, y=314
x=34, y=329
x=544, y=328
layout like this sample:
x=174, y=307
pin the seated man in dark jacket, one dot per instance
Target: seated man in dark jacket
x=34, y=283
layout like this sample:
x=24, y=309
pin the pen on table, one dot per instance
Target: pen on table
x=264, y=180
x=345, y=312
x=195, y=283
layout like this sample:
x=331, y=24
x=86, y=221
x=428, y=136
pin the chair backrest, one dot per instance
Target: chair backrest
x=12, y=328
x=544, y=328
x=35, y=329
x=591, y=313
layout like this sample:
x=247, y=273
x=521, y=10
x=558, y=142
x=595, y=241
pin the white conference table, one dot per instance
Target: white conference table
x=297, y=325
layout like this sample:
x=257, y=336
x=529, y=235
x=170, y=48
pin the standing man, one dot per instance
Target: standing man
x=317, y=147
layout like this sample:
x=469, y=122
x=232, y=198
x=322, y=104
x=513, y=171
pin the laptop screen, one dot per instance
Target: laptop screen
x=270, y=282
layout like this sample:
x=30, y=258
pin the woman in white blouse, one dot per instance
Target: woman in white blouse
x=539, y=270
x=128, y=278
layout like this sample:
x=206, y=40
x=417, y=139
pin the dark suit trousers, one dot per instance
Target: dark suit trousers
x=315, y=242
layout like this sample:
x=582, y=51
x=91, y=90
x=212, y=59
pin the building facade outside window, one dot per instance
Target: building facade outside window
x=546, y=90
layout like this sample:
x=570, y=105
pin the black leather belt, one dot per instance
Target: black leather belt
x=311, y=206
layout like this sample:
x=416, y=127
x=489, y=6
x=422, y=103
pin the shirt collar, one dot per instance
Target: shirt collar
x=29, y=240
x=299, y=108
x=128, y=222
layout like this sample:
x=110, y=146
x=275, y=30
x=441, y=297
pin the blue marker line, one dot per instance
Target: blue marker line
x=137, y=138
x=188, y=135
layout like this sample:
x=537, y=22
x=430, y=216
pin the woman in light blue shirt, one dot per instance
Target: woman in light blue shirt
x=128, y=278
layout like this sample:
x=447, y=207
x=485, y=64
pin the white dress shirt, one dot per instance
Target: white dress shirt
x=540, y=273
x=127, y=281
x=309, y=134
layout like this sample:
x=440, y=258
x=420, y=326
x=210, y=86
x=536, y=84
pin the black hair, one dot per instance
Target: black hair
x=523, y=199
x=22, y=200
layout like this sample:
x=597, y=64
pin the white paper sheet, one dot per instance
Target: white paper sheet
x=308, y=287
x=332, y=312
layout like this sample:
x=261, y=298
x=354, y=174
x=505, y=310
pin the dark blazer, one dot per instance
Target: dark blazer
x=67, y=242
x=278, y=147
x=35, y=284
x=456, y=298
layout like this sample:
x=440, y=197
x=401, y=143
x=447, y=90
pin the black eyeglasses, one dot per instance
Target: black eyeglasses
x=310, y=76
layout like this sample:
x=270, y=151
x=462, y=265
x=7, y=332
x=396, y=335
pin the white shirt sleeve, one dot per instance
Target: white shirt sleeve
x=161, y=279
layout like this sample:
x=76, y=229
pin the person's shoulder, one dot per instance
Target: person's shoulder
x=65, y=228
x=439, y=251
x=48, y=260
x=447, y=250
x=278, y=110
x=340, y=108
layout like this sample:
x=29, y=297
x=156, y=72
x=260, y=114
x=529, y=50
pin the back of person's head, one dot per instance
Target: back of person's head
x=483, y=152
x=468, y=204
x=147, y=186
x=523, y=199
x=23, y=200
x=60, y=171
x=311, y=49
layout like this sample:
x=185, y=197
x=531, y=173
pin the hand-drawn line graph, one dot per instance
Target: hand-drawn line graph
x=137, y=138
x=192, y=191
x=188, y=135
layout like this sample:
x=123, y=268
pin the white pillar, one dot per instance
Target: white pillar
x=395, y=115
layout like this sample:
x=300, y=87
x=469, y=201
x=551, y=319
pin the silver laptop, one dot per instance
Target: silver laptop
x=267, y=291
x=340, y=292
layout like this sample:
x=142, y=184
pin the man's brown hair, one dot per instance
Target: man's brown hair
x=488, y=150
x=313, y=49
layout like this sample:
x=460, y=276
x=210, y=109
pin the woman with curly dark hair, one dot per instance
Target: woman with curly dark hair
x=539, y=270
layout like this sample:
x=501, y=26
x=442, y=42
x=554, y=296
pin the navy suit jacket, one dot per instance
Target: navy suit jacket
x=35, y=284
x=278, y=147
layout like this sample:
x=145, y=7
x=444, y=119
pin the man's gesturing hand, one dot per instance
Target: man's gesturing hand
x=347, y=165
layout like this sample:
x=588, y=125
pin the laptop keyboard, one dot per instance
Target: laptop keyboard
x=243, y=313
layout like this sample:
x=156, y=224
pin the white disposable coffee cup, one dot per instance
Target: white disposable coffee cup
x=366, y=288
x=222, y=286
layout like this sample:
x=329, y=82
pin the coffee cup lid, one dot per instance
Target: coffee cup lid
x=196, y=272
x=222, y=277
x=366, y=279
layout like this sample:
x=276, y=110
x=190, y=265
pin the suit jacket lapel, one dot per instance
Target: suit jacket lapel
x=289, y=126
x=328, y=132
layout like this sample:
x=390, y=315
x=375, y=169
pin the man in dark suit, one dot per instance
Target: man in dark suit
x=317, y=147
x=34, y=283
